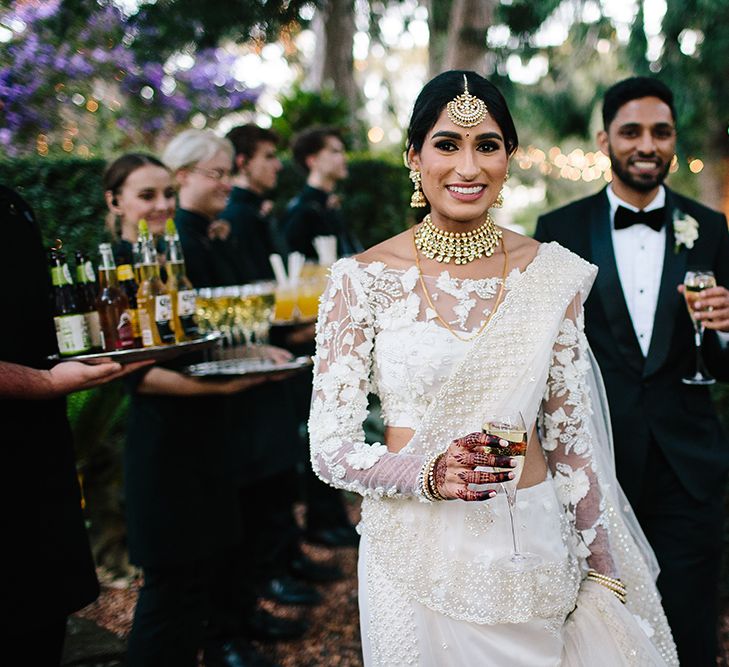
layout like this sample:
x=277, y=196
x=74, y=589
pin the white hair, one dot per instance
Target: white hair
x=193, y=146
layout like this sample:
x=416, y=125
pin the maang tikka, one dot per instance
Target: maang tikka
x=466, y=110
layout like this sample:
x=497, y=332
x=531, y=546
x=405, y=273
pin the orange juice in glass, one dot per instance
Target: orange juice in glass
x=308, y=297
x=285, y=309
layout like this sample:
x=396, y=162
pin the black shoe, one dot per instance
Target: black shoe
x=266, y=627
x=343, y=536
x=287, y=590
x=234, y=652
x=304, y=568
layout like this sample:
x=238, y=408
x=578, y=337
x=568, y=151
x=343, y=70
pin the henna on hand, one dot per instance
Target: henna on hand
x=482, y=477
x=468, y=494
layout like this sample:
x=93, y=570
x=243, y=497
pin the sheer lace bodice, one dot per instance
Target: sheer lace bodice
x=377, y=333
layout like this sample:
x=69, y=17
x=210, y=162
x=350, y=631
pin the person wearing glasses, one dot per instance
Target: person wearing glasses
x=201, y=163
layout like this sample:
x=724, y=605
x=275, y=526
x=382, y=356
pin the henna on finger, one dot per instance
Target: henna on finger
x=468, y=494
x=475, y=459
x=479, y=477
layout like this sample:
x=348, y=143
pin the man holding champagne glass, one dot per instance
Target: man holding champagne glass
x=650, y=244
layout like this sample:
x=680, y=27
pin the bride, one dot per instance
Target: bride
x=447, y=323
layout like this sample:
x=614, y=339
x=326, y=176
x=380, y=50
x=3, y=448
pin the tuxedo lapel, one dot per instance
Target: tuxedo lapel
x=608, y=284
x=669, y=300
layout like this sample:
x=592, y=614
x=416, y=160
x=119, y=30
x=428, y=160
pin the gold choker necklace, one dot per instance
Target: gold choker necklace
x=461, y=247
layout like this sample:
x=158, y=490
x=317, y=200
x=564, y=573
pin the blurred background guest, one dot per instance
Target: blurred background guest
x=319, y=151
x=181, y=503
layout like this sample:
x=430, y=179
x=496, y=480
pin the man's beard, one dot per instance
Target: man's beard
x=641, y=185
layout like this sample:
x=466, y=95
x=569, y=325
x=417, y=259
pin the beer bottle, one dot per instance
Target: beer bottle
x=179, y=286
x=72, y=332
x=153, y=298
x=87, y=293
x=113, y=305
x=129, y=286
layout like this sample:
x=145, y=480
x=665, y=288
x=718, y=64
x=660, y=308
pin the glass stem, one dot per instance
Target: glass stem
x=511, y=502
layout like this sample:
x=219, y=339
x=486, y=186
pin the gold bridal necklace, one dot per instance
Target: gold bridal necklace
x=461, y=247
x=499, y=296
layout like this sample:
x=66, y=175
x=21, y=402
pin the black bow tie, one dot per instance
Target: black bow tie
x=625, y=218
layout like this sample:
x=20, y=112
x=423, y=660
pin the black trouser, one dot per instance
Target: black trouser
x=40, y=641
x=686, y=536
x=170, y=616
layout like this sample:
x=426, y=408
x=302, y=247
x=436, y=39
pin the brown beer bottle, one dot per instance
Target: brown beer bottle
x=113, y=305
x=129, y=286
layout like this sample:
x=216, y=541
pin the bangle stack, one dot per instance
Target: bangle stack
x=615, y=586
x=426, y=480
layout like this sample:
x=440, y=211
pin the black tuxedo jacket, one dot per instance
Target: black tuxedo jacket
x=646, y=396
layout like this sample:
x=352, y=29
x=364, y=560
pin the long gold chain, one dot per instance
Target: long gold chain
x=499, y=297
x=461, y=247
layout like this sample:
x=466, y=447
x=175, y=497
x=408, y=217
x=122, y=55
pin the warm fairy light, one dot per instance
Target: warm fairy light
x=67, y=145
x=674, y=165
x=376, y=135
x=84, y=151
x=92, y=106
x=696, y=165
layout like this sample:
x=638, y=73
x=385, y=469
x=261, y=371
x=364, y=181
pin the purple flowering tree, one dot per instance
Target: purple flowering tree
x=70, y=83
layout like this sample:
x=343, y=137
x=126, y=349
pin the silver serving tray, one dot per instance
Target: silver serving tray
x=157, y=352
x=246, y=366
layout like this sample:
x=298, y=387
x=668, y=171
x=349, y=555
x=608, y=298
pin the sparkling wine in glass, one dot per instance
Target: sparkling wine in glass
x=510, y=426
x=694, y=283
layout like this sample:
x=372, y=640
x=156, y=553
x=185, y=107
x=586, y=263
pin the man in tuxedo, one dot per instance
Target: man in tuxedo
x=671, y=455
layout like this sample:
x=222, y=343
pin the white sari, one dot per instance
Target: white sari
x=430, y=593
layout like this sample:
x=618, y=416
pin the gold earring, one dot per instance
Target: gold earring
x=418, y=199
x=500, y=197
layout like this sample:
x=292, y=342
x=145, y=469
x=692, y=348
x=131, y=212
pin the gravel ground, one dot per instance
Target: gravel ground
x=333, y=639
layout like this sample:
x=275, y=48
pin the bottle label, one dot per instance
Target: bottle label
x=163, y=318
x=94, y=324
x=89, y=271
x=186, y=313
x=145, y=325
x=125, y=336
x=124, y=272
x=72, y=334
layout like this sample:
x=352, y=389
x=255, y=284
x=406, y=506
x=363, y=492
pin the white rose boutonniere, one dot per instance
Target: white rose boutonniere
x=685, y=230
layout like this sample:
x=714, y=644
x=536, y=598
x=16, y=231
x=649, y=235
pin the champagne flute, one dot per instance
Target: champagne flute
x=694, y=283
x=510, y=426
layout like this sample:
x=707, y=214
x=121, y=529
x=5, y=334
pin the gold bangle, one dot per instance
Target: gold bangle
x=433, y=487
x=423, y=482
x=615, y=586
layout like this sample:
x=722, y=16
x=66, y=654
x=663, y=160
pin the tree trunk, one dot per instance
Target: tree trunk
x=333, y=60
x=466, y=47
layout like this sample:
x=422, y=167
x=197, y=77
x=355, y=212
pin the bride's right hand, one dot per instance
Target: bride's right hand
x=456, y=469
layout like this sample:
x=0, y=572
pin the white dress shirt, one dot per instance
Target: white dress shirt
x=639, y=252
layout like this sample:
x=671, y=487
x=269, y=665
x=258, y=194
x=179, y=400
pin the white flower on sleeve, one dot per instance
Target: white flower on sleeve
x=685, y=229
x=572, y=485
x=409, y=278
x=364, y=456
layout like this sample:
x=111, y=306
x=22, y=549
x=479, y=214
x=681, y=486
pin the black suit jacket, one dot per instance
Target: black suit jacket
x=647, y=398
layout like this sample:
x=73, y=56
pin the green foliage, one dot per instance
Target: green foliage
x=97, y=416
x=304, y=108
x=66, y=196
x=169, y=25
x=524, y=17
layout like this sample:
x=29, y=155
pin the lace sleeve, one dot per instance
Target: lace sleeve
x=568, y=443
x=344, y=342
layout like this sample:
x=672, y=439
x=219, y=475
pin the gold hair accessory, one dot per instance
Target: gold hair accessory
x=418, y=198
x=466, y=110
x=461, y=247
